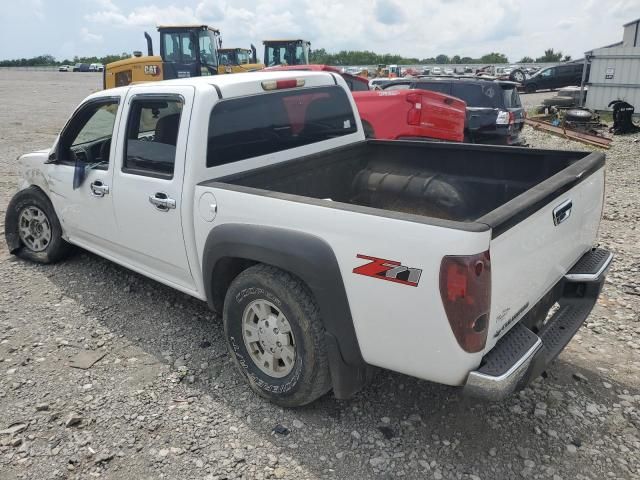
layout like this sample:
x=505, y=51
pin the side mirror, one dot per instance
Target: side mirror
x=53, y=156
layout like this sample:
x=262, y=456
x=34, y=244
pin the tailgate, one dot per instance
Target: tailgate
x=538, y=236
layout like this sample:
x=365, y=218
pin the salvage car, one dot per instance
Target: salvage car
x=325, y=254
x=415, y=115
x=552, y=78
x=411, y=115
x=495, y=114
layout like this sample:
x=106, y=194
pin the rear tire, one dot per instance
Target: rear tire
x=559, y=101
x=517, y=75
x=275, y=336
x=32, y=228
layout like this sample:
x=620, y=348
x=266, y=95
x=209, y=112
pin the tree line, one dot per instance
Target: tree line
x=320, y=55
x=50, y=61
x=355, y=57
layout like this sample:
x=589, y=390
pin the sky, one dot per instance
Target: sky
x=412, y=28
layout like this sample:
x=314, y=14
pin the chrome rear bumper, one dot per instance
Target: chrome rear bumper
x=521, y=355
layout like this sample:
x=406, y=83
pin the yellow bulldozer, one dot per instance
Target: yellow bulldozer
x=238, y=60
x=185, y=51
x=286, y=52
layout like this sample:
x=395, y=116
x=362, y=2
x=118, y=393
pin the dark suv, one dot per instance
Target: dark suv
x=550, y=78
x=494, y=111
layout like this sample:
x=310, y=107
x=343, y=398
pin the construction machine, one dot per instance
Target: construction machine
x=238, y=60
x=286, y=52
x=185, y=51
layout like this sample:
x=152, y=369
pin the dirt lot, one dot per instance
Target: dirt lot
x=530, y=100
x=165, y=401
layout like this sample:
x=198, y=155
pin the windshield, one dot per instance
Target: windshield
x=208, y=47
x=286, y=54
x=243, y=58
x=227, y=58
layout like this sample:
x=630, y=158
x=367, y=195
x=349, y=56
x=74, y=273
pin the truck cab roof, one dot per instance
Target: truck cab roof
x=234, y=85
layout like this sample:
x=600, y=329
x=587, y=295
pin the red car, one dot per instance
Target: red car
x=411, y=115
x=401, y=114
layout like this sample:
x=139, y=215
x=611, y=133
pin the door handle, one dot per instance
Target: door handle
x=562, y=212
x=98, y=189
x=162, y=202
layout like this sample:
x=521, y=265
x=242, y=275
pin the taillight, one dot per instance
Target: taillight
x=505, y=118
x=465, y=289
x=280, y=84
x=415, y=112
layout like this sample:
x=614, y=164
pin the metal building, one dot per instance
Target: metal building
x=615, y=71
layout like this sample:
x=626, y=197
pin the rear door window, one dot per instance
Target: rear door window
x=152, y=135
x=480, y=95
x=247, y=127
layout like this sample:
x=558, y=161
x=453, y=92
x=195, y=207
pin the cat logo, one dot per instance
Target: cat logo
x=153, y=70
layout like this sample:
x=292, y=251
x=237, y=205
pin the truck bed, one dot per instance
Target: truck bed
x=426, y=181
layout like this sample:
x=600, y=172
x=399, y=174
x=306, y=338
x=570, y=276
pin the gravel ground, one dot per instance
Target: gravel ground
x=165, y=402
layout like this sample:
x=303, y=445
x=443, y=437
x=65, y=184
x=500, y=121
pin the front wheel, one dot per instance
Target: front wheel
x=32, y=228
x=274, y=334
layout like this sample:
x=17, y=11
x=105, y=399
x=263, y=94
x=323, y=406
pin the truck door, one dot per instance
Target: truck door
x=80, y=179
x=148, y=181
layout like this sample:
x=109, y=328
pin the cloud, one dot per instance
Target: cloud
x=144, y=16
x=388, y=12
x=87, y=36
x=416, y=28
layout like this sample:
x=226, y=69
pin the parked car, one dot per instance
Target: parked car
x=81, y=67
x=448, y=71
x=380, y=82
x=260, y=194
x=96, y=67
x=64, y=68
x=436, y=71
x=418, y=115
x=495, y=114
x=551, y=78
x=411, y=115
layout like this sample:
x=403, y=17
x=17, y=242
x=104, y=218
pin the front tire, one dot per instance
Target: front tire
x=32, y=228
x=275, y=337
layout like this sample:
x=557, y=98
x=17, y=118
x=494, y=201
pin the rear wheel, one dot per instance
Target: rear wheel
x=517, y=75
x=559, y=101
x=275, y=336
x=32, y=228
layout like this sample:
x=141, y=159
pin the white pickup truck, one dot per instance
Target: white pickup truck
x=325, y=254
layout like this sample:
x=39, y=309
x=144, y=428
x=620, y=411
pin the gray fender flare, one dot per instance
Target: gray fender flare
x=311, y=259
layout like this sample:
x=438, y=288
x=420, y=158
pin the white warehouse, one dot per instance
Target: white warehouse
x=615, y=71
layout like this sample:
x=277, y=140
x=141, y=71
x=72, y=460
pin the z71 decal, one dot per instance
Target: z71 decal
x=389, y=270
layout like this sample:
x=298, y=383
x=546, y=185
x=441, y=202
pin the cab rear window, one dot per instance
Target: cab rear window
x=247, y=127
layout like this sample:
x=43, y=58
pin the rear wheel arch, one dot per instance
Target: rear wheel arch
x=232, y=248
